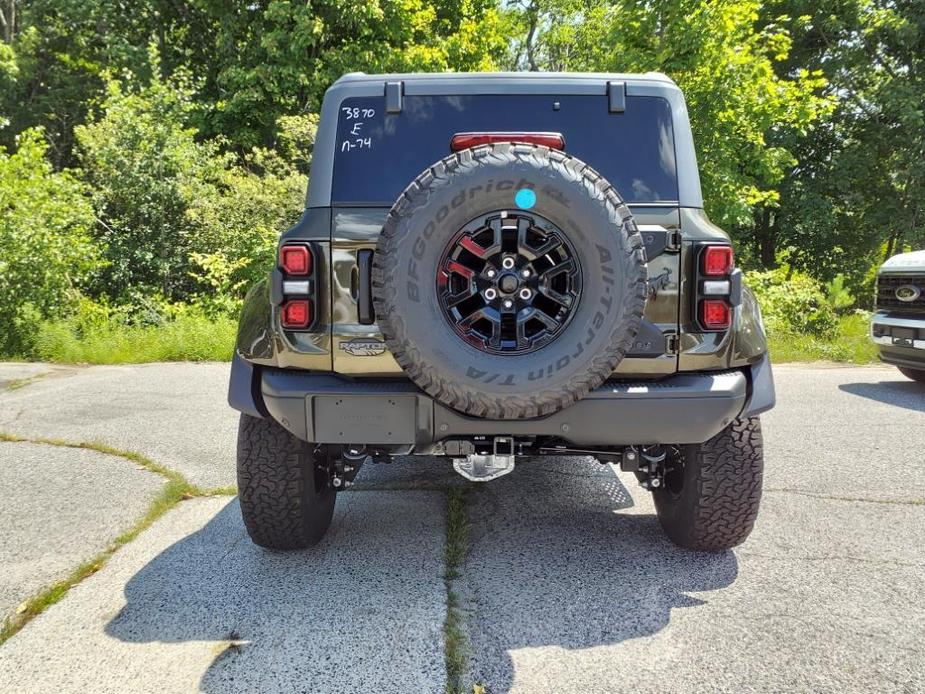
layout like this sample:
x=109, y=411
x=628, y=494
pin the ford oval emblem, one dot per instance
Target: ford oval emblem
x=908, y=293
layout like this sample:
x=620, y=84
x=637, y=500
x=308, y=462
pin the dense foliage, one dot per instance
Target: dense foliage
x=793, y=302
x=153, y=149
x=46, y=252
x=177, y=212
x=725, y=65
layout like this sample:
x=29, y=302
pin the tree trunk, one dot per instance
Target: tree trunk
x=890, y=242
x=533, y=13
x=766, y=239
x=8, y=20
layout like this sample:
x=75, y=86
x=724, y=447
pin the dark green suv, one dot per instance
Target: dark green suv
x=492, y=266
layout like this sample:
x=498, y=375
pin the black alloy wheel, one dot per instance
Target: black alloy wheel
x=508, y=282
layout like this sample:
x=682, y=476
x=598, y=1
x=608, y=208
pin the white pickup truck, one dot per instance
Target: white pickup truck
x=898, y=326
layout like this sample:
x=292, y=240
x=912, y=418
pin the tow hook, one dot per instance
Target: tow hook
x=484, y=467
x=654, y=467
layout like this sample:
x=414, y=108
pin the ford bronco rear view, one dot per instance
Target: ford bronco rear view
x=498, y=266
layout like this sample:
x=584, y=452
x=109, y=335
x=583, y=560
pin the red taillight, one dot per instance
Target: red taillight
x=466, y=140
x=297, y=313
x=295, y=260
x=717, y=261
x=715, y=314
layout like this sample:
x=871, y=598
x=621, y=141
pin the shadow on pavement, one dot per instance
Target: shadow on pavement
x=361, y=611
x=553, y=564
x=907, y=394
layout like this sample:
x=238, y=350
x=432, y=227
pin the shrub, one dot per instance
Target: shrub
x=238, y=225
x=792, y=302
x=145, y=167
x=174, y=210
x=46, y=253
x=838, y=295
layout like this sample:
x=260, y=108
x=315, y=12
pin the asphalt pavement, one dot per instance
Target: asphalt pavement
x=569, y=585
x=61, y=506
x=176, y=414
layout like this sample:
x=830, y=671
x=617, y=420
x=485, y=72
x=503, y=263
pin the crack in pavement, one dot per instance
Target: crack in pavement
x=834, y=557
x=849, y=499
x=175, y=489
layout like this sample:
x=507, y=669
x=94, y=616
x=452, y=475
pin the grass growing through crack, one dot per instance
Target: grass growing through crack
x=18, y=383
x=457, y=546
x=176, y=489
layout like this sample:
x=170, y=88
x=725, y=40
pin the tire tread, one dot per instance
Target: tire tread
x=719, y=504
x=276, y=487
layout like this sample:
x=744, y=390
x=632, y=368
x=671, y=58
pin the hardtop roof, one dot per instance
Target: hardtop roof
x=415, y=84
x=644, y=77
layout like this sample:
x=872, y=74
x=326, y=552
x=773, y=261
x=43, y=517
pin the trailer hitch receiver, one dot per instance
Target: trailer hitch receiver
x=488, y=466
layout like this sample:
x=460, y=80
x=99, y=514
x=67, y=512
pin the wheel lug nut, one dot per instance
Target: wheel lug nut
x=525, y=273
x=507, y=263
x=525, y=293
x=491, y=273
x=508, y=303
x=490, y=294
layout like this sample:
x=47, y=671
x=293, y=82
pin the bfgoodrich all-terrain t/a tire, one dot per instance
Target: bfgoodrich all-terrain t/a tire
x=712, y=501
x=562, y=203
x=283, y=486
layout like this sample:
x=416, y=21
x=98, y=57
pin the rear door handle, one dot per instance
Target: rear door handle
x=366, y=314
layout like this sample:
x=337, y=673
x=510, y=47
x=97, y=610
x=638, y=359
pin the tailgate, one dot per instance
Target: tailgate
x=358, y=346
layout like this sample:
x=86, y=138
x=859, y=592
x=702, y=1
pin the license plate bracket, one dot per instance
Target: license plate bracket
x=364, y=419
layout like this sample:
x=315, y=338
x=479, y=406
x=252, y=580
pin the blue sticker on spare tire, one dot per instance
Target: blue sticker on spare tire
x=525, y=198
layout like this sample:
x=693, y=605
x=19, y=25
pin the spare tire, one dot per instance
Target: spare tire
x=509, y=280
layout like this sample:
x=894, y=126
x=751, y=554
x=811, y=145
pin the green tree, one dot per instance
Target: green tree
x=257, y=61
x=145, y=165
x=277, y=58
x=238, y=226
x=856, y=194
x=46, y=253
x=63, y=48
x=719, y=56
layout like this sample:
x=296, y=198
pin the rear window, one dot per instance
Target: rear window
x=378, y=154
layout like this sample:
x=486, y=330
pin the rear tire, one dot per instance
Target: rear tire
x=283, y=486
x=711, y=502
x=917, y=375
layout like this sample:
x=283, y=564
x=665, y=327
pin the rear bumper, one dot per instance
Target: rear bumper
x=327, y=408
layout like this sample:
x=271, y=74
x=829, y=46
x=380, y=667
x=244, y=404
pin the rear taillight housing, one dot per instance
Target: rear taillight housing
x=718, y=287
x=297, y=286
x=295, y=260
x=462, y=141
x=296, y=314
x=716, y=261
x=715, y=314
